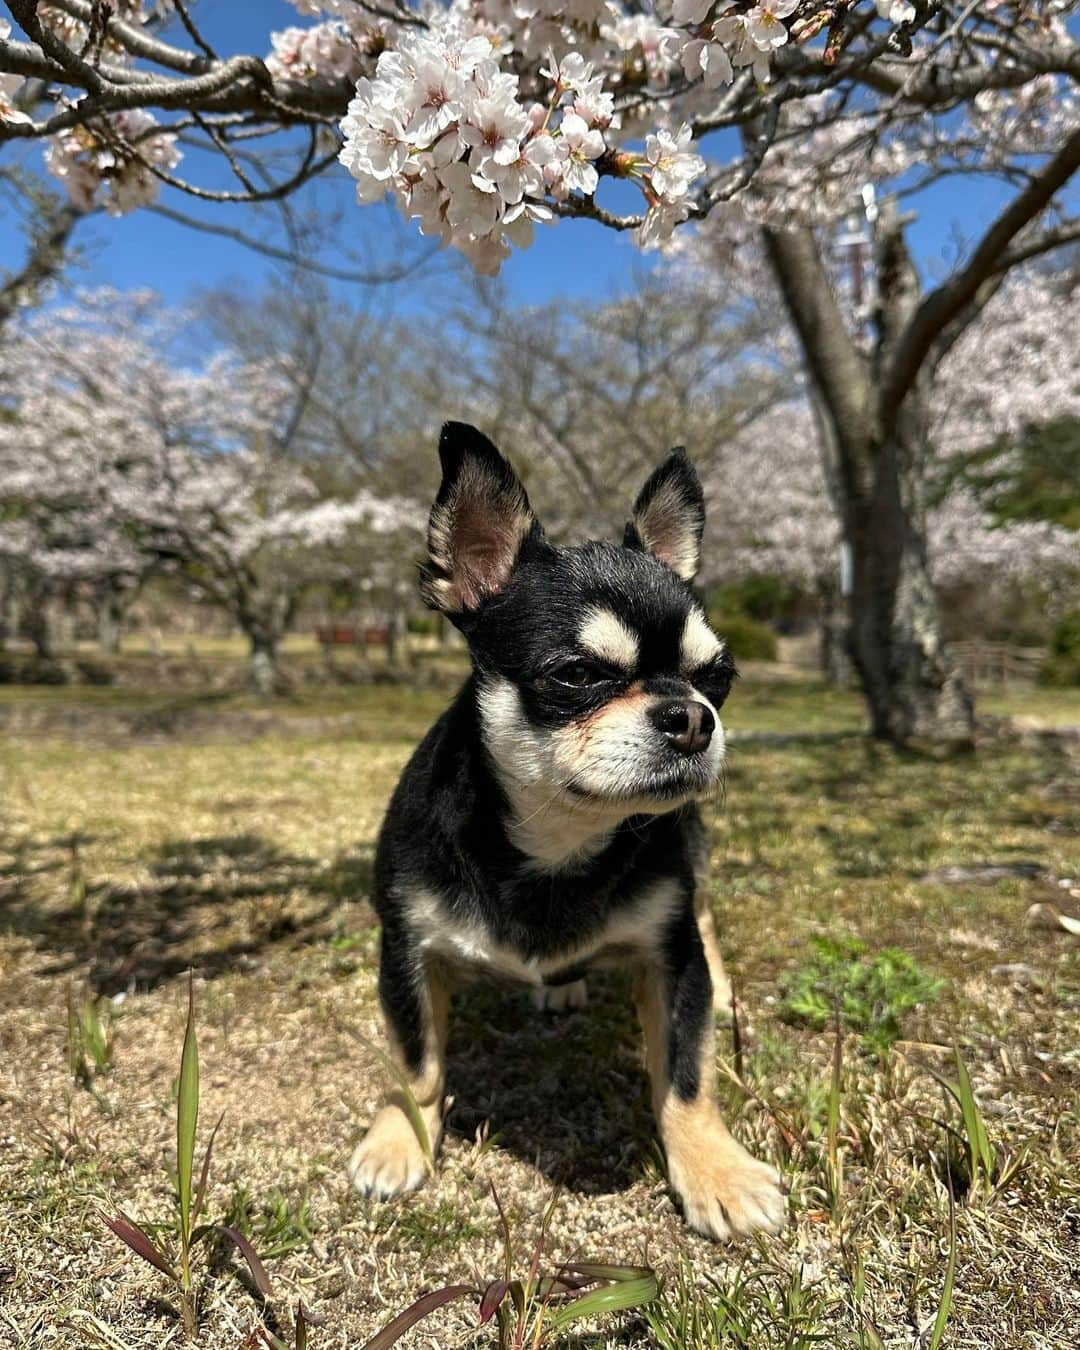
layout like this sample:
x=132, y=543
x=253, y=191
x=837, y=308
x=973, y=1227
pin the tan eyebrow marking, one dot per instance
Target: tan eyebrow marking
x=699, y=644
x=604, y=635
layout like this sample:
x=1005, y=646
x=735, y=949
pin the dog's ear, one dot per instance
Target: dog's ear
x=479, y=523
x=669, y=516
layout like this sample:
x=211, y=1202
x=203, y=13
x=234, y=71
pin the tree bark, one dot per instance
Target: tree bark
x=834, y=627
x=46, y=259
x=913, y=689
x=12, y=604
x=38, y=625
x=875, y=452
x=264, y=662
x=397, y=641
x=110, y=620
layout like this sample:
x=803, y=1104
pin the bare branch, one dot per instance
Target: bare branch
x=44, y=262
x=295, y=259
x=944, y=305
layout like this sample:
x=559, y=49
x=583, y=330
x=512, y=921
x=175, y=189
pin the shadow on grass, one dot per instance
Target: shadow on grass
x=214, y=903
x=566, y=1092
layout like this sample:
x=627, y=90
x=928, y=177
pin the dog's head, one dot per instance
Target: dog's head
x=600, y=679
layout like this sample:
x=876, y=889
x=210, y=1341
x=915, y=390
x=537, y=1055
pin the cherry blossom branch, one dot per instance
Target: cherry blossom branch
x=943, y=305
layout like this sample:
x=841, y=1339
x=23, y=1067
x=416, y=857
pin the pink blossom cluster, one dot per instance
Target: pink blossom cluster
x=1013, y=369
x=327, y=49
x=9, y=87
x=113, y=158
x=969, y=547
x=716, y=39
x=443, y=127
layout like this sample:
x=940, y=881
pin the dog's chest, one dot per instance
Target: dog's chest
x=633, y=928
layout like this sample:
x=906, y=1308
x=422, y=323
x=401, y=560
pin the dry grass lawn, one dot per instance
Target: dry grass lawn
x=128, y=858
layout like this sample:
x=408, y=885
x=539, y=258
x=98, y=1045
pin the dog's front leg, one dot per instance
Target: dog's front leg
x=724, y=1191
x=415, y=997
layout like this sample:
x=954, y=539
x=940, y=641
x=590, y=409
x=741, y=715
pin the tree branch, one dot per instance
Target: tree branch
x=836, y=367
x=294, y=259
x=44, y=261
x=943, y=306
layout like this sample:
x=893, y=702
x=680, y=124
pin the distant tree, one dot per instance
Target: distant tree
x=114, y=459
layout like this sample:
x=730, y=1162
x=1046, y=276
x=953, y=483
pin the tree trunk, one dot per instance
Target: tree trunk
x=913, y=689
x=12, y=610
x=835, y=637
x=875, y=449
x=397, y=641
x=264, y=662
x=38, y=624
x=110, y=619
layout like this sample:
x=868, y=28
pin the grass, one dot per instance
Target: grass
x=127, y=856
x=870, y=992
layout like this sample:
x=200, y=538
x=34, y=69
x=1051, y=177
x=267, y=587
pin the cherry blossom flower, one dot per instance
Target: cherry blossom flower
x=686, y=13
x=895, y=12
x=473, y=206
x=524, y=176
x=327, y=48
x=672, y=165
x=578, y=145
x=114, y=157
x=708, y=62
x=764, y=23
x=496, y=123
x=661, y=220
x=9, y=87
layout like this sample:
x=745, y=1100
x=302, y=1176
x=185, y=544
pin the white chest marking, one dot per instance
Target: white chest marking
x=637, y=926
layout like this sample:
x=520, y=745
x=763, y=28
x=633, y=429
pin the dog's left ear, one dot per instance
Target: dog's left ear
x=479, y=524
x=669, y=516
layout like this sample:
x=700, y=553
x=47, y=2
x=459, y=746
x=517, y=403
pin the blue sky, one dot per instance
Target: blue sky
x=572, y=260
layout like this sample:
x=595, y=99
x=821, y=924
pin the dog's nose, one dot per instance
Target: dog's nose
x=687, y=726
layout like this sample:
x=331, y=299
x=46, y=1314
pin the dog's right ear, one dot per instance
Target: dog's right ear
x=479, y=523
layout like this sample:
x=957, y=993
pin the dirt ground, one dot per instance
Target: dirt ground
x=128, y=859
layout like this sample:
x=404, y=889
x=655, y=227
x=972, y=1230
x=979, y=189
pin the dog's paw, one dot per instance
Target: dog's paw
x=561, y=997
x=725, y=1192
x=388, y=1160
x=721, y=988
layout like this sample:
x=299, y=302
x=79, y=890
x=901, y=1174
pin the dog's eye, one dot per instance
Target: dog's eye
x=578, y=675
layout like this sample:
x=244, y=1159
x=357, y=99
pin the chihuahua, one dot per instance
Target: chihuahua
x=548, y=820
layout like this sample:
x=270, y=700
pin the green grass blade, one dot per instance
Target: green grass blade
x=409, y=1102
x=617, y=1297
x=982, y=1158
x=599, y=1270
x=945, y=1305
x=835, y=1164
x=187, y=1113
x=204, y=1175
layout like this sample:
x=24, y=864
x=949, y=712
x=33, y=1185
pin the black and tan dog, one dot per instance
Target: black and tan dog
x=547, y=821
